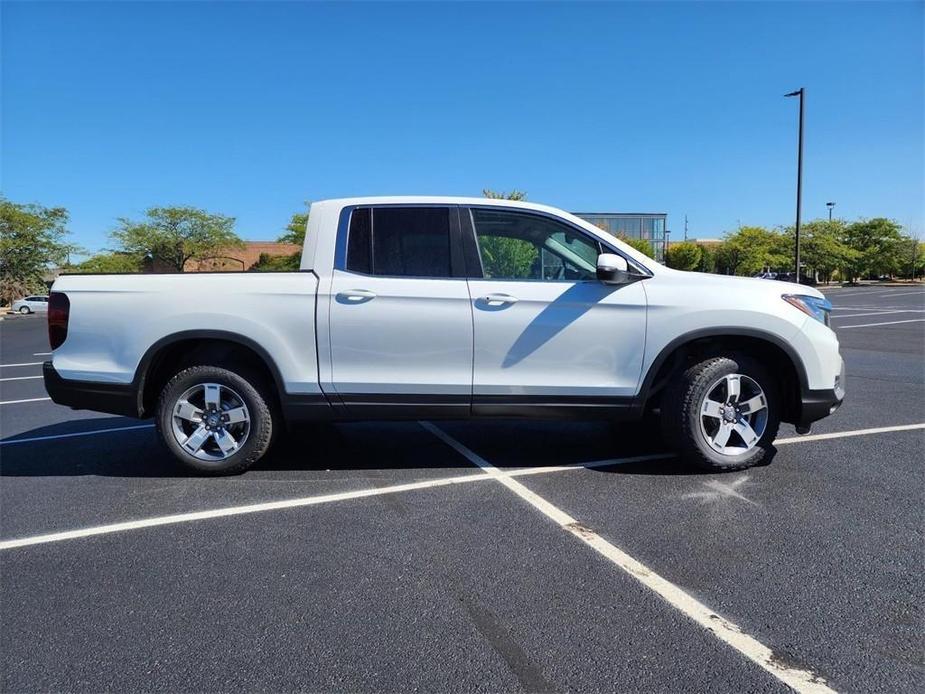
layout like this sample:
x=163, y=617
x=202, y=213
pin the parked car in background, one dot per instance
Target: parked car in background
x=432, y=307
x=31, y=304
x=766, y=276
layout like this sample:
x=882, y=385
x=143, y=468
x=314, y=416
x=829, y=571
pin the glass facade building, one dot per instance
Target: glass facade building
x=646, y=225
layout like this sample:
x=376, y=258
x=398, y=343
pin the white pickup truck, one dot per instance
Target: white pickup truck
x=441, y=307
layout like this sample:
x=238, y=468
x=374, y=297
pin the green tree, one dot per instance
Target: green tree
x=175, y=235
x=822, y=247
x=31, y=238
x=912, y=257
x=707, y=259
x=513, y=195
x=685, y=255
x=295, y=230
x=110, y=262
x=749, y=250
x=878, y=247
x=277, y=263
x=644, y=246
x=293, y=233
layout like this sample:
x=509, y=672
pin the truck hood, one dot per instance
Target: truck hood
x=733, y=283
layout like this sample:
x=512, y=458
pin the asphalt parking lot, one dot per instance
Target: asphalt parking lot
x=490, y=556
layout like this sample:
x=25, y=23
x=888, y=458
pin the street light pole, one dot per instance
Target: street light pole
x=801, y=92
x=831, y=206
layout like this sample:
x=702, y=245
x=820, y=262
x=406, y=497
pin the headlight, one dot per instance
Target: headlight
x=811, y=306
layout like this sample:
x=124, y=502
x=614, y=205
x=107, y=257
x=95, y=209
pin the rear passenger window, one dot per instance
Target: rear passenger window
x=400, y=241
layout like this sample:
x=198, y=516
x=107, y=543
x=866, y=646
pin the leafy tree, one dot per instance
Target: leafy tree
x=822, y=247
x=707, y=259
x=685, y=255
x=642, y=245
x=878, y=246
x=293, y=233
x=912, y=257
x=295, y=230
x=31, y=238
x=749, y=250
x=277, y=263
x=110, y=262
x=175, y=235
x=513, y=195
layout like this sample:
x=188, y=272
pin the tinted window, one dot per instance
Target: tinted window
x=400, y=241
x=358, y=246
x=520, y=246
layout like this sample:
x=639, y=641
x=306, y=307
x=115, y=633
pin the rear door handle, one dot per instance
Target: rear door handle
x=498, y=299
x=356, y=296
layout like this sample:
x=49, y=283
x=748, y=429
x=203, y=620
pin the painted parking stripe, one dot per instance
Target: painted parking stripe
x=299, y=502
x=94, y=432
x=19, y=378
x=919, y=293
x=847, y=434
x=17, y=402
x=882, y=309
x=872, y=313
x=289, y=503
x=29, y=363
x=798, y=679
x=362, y=493
x=871, y=325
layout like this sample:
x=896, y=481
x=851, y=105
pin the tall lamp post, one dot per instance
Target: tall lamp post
x=801, y=92
x=831, y=206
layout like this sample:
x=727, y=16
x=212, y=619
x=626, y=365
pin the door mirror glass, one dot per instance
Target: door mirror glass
x=612, y=269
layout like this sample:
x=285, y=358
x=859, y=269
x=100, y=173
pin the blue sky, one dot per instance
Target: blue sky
x=249, y=108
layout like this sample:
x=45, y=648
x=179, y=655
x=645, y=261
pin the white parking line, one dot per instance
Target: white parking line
x=732, y=634
x=16, y=402
x=884, y=309
x=919, y=293
x=847, y=434
x=31, y=363
x=9, y=442
x=18, y=378
x=362, y=493
x=291, y=503
x=871, y=325
x=872, y=313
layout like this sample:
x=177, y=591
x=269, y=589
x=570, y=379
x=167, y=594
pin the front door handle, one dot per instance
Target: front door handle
x=498, y=299
x=355, y=296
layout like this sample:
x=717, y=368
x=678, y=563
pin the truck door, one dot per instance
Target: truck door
x=550, y=339
x=400, y=319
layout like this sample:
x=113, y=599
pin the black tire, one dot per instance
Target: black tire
x=251, y=391
x=681, y=418
x=25, y=310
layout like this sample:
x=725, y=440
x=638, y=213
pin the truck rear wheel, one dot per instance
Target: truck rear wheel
x=722, y=414
x=215, y=421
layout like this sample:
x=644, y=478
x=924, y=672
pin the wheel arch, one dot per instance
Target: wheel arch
x=160, y=360
x=704, y=343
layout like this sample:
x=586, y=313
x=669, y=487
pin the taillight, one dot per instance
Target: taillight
x=59, y=310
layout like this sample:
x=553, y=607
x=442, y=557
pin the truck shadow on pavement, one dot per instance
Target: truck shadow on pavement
x=137, y=452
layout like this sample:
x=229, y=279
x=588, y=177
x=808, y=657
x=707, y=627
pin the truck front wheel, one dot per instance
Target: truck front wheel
x=214, y=420
x=723, y=413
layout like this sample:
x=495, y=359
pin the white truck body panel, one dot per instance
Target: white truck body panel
x=274, y=310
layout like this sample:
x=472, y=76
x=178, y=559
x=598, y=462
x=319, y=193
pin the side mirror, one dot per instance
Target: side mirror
x=612, y=269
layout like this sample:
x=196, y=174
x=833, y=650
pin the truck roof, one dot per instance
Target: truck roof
x=435, y=200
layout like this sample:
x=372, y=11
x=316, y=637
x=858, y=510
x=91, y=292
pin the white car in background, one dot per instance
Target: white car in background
x=31, y=304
